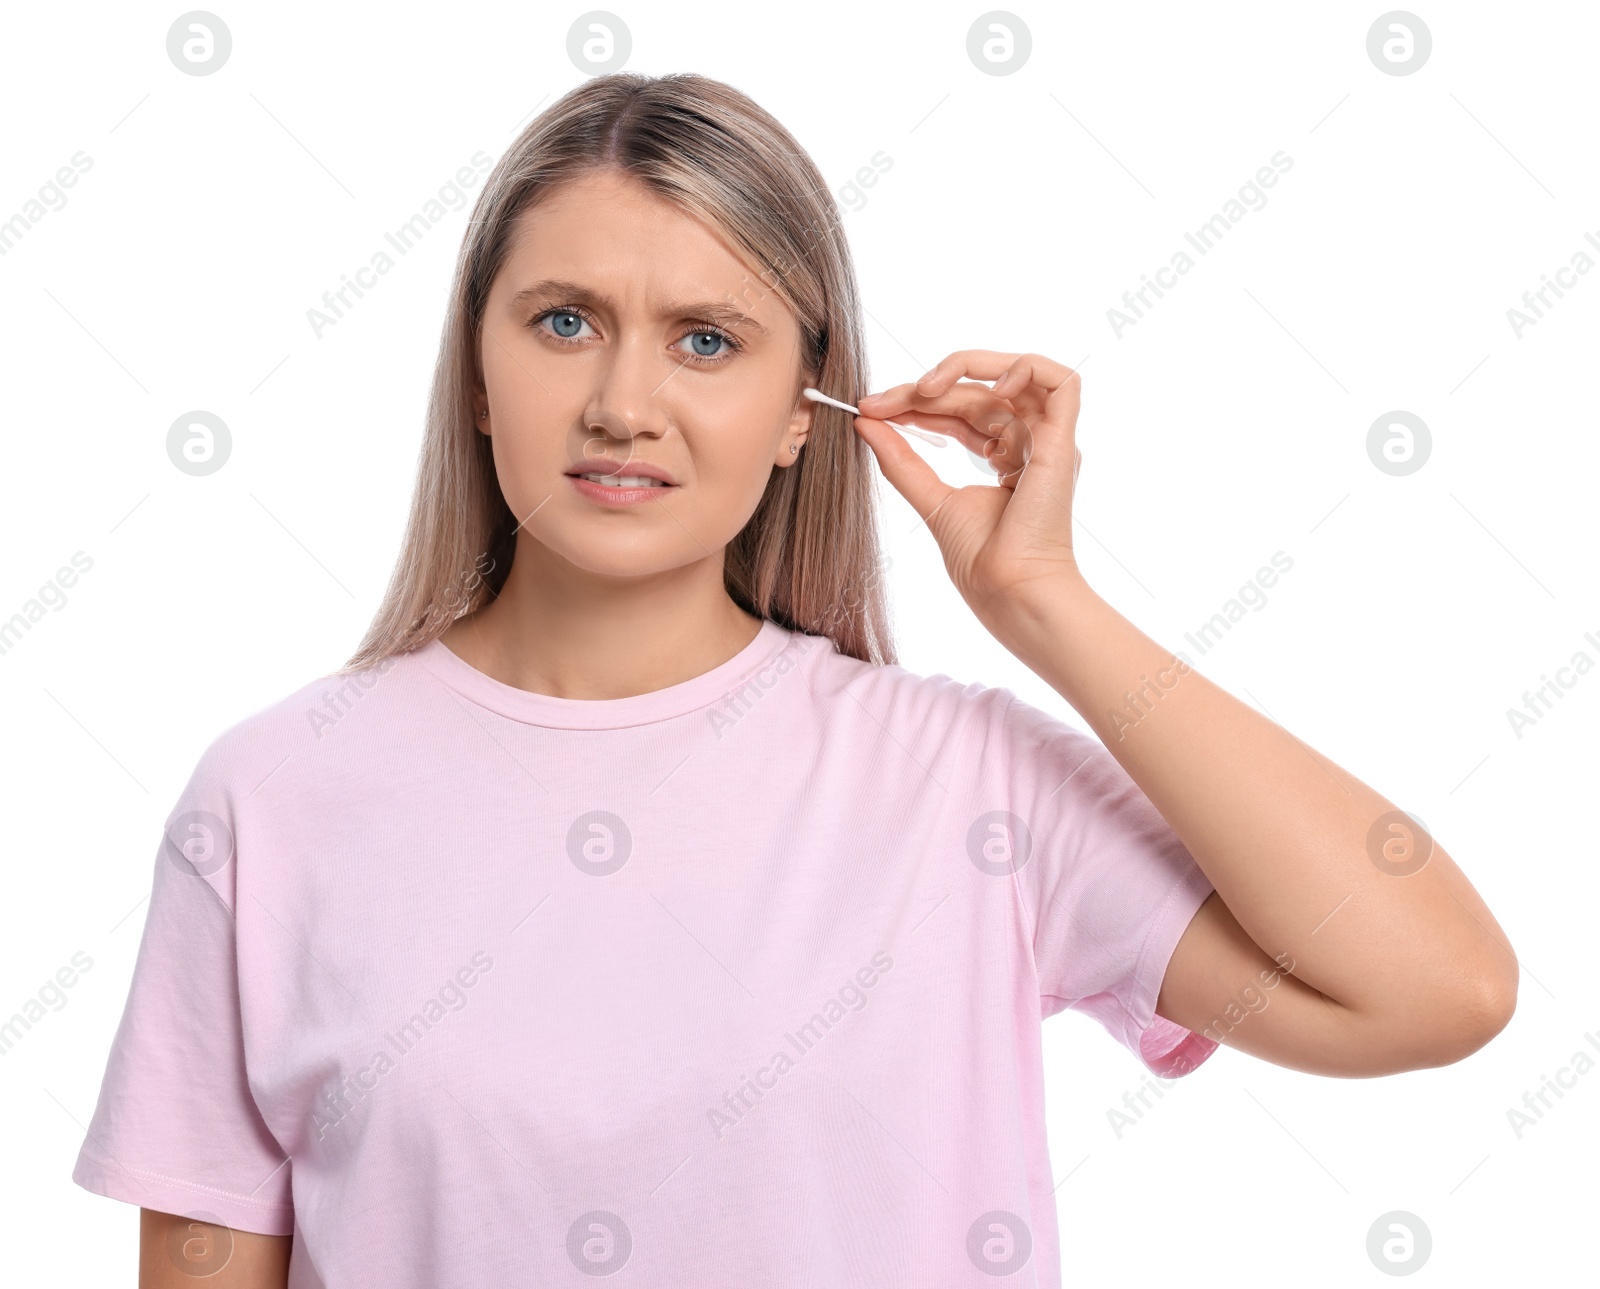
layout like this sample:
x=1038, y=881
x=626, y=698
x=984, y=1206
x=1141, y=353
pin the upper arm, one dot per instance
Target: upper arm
x=1220, y=983
x=174, y=1250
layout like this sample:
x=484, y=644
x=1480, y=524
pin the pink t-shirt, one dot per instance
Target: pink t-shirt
x=738, y=982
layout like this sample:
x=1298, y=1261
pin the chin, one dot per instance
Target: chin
x=643, y=556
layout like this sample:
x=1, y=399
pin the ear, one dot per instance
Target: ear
x=798, y=430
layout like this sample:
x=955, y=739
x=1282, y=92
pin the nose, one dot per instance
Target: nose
x=626, y=402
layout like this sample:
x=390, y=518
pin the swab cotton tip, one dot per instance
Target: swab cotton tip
x=817, y=396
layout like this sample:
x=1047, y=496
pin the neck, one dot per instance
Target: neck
x=572, y=633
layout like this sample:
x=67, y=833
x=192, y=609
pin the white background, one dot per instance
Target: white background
x=1228, y=424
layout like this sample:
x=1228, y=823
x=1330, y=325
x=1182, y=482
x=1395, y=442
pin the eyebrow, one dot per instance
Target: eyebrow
x=561, y=291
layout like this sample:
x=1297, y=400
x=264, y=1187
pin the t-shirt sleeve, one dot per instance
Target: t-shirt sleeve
x=176, y=1128
x=1109, y=886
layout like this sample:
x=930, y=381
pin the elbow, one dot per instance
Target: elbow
x=1442, y=1027
x=1497, y=1001
x=1471, y=1016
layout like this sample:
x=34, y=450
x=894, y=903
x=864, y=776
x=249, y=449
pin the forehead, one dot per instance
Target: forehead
x=613, y=234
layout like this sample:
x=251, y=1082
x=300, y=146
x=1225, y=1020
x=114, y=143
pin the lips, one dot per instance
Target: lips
x=624, y=474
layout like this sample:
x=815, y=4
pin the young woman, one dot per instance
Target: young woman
x=622, y=907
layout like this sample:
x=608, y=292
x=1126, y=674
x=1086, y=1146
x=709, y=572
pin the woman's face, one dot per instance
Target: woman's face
x=623, y=336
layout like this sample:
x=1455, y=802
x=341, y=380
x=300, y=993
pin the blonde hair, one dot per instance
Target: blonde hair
x=808, y=557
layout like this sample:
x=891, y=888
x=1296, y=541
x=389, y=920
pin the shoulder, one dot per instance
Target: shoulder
x=1033, y=729
x=928, y=703
x=284, y=737
x=1008, y=735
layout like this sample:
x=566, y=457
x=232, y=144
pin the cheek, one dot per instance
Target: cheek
x=733, y=456
x=528, y=412
x=525, y=456
x=518, y=368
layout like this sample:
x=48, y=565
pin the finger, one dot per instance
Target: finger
x=1036, y=369
x=912, y=477
x=1006, y=475
x=1038, y=386
x=1007, y=438
x=1010, y=453
x=984, y=424
x=894, y=400
x=970, y=405
x=990, y=364
x=959, y=398
x=955, y=427
x=1052, y=430
x=1061, y=385
x=976, y=364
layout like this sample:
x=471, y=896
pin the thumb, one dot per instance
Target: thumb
x=912, y=477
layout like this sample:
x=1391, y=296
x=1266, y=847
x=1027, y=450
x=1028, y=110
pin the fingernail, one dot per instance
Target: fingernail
x=928, y=375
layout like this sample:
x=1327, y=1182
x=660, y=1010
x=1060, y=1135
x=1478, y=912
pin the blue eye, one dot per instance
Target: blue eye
x=566, y=324
x=710, y=338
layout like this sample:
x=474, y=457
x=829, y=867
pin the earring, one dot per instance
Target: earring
x=481, y=415
x=793, y=448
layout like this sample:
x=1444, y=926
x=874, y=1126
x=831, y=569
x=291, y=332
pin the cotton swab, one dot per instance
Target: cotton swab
x=817, y=396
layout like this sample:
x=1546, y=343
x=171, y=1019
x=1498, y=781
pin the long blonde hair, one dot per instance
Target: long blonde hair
x=808, y=557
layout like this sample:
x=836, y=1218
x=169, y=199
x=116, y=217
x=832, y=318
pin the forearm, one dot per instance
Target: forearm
x=1292, y=843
